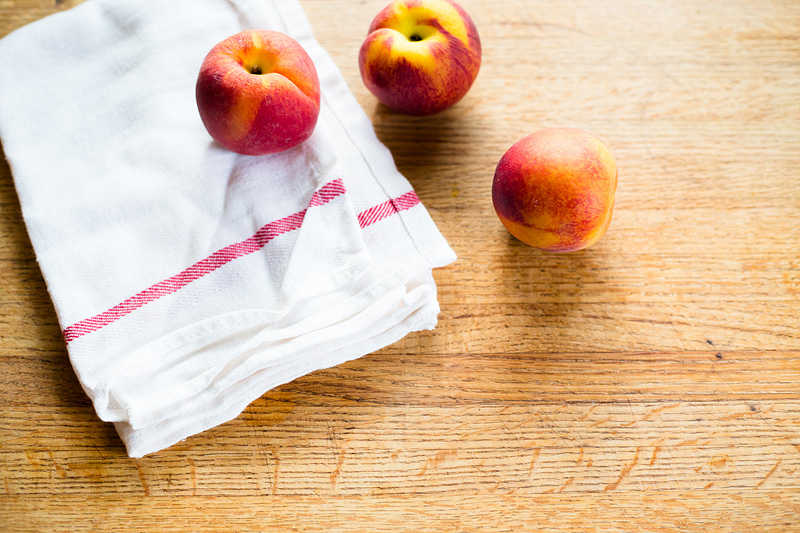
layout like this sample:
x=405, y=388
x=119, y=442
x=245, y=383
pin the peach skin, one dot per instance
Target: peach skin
x=554, y=189
x=258, y=93
x=420, y=56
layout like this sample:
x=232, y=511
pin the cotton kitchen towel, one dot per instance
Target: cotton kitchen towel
x=188, y=279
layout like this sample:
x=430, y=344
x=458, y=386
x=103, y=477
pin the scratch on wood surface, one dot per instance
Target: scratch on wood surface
x=603, y=421
x=656, y=448
x=337, y=470
x=60, y=470
x=534, y=458
x=624, y=472
x=436, y=460
x=743, y=507
x=718, y=461
x=586, y=415
x=774, y=468
x=693, y=442
x=458, y=415
x=735, y=416
x=192, y=475
x=651, y=414
x=142, y=477
x=657, y=410
x=567, y=484
x=277, y=467
x=496, y=487
x=458, y=428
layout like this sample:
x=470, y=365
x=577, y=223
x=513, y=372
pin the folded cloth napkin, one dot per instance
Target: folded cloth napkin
x=188, y=279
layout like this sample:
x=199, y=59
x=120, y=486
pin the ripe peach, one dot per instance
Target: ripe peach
x=555, y=189
x=258, y=93
x=421, y=56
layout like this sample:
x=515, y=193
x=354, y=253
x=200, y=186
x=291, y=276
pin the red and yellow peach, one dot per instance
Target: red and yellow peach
x=554, y=189
x=420, y=56
x=258, y=93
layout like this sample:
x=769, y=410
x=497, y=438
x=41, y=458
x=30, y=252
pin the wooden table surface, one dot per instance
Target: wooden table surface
x=649, y=383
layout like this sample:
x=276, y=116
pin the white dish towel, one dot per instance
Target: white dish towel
x=188, y=279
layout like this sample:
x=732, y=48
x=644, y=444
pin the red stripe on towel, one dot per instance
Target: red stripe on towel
x=221, y=257
x=387, y=208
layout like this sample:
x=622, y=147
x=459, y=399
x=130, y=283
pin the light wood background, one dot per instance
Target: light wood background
x=649, y=383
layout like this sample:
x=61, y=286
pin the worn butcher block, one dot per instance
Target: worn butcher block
x=648, y=383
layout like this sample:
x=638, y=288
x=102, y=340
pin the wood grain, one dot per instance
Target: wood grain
x=649, y=383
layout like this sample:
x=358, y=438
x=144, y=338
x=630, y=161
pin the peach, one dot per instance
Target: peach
x=554, y=189
x=420, y=56
x=258, y=93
